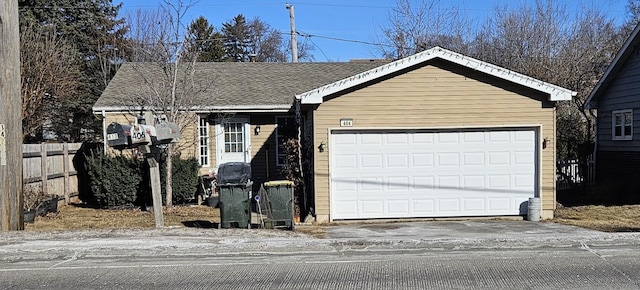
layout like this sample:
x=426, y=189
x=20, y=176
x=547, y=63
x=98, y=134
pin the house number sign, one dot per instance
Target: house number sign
x=346, y=122
x=3, y=145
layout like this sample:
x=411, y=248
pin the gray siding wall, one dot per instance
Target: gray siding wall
x=623, y=93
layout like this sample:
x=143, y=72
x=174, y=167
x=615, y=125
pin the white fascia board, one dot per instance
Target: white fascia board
x=556, y=93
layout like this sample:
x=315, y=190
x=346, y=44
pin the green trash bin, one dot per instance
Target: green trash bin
x=279, y=195
x=235, y=205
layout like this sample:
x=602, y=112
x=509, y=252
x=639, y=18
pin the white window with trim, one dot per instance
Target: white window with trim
x=622, y=124
x=285, y=129
x=203, y=144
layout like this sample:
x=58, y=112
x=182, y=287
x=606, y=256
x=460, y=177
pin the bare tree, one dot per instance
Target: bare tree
x=414, y=28
x=49, y=73
x=545, y=42
x=265, y=42
x=169, y=87
x=542, y=40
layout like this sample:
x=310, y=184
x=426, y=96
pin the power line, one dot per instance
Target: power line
x=343, y=39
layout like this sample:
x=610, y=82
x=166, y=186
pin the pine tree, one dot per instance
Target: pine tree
x=97, y=34
x=237, y=38
x=204, y=42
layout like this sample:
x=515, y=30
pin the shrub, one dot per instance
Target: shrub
x=185, y=180
x=114, y=181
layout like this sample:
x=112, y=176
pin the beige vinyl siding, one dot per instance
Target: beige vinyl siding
x=435, y=97
x=263, y=164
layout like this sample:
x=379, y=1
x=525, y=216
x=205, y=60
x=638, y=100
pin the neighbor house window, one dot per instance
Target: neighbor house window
x=622, y=124
x=285, y=130
x=203, y=136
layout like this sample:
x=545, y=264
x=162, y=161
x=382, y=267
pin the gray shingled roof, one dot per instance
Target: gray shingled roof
x=224, y=84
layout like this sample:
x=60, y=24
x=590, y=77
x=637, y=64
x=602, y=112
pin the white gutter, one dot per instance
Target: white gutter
x=203, y=109
x=200, y=109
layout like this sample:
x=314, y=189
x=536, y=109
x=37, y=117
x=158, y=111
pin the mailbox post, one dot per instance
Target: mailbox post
x=145, y=137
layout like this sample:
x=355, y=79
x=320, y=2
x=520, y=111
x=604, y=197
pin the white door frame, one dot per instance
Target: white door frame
x=220, y=137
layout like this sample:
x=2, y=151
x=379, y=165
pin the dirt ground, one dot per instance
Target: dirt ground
x=624, y=218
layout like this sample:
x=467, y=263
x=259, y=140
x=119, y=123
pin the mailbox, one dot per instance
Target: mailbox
x=142, y=134
x=167, y=132
x=119, y=135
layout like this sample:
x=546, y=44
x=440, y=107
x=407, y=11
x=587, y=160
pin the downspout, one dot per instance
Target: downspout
x=595, y=150
x=104, y=131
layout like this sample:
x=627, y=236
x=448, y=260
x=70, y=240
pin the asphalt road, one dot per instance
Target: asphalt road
x=441, y=255
x=550, y=268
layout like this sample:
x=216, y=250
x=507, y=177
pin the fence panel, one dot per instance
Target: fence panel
x=51, y=165
x=575, y=172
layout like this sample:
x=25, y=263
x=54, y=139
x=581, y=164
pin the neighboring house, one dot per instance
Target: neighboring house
x=616, y=97
x=436, y=134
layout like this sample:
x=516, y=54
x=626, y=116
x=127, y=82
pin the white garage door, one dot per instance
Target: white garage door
x=431, y=174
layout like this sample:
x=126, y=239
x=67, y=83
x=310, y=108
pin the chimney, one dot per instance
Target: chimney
x=252, y=57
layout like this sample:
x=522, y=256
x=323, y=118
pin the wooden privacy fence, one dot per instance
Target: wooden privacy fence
x=51, y=165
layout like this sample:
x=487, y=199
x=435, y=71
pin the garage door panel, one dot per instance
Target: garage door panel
x=424, y=183
x=399, y=183
x=421, y=160
x=499, y=204
x=400, y=161
x=346, y=209
x=346, y=185
x=448, y=159
x=371, y=184
x=398, y=207
x=431, y=174
x=448, y=205
x=424, y=207
x=473, y=159
x=346, y=161
x=370, y=139
x=474, y=205
x=372, y=207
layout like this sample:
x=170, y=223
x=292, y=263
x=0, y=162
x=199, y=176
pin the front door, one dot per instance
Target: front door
x=232, y=140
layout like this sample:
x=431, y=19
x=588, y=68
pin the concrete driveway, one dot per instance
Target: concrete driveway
x=381, y=236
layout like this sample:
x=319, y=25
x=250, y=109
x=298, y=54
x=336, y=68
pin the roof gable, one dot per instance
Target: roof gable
x=614, y=68
x=316, y=95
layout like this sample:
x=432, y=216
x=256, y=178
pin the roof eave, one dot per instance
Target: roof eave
x=603, y=83
x=203, y=109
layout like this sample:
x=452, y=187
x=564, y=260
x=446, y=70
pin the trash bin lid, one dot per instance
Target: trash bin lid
x=278, y=182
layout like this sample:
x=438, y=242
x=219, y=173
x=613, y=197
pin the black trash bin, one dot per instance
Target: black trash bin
x=234, y=189
x=279, y=196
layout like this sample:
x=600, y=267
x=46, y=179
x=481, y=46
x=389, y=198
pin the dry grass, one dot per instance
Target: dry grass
x=75, y=217
x=624, y=218
x=602, y=218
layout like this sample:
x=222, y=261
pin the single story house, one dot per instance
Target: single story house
x=242, y=112
x=436, y=134
x=616, y=97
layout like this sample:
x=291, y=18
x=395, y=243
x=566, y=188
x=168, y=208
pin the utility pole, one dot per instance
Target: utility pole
x=294, y=40
x=10, y=119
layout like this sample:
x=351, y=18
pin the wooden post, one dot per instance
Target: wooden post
x=66, y=169
x=156, y=190
x=43, y=168
x=11, y=199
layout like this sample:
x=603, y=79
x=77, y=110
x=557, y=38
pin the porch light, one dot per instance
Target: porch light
x=257, y=130
x=322, y=147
